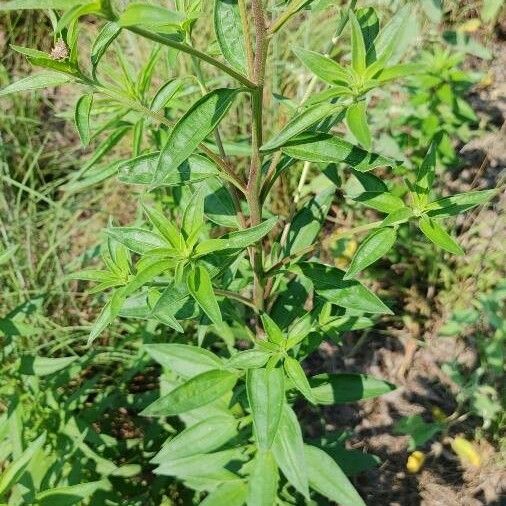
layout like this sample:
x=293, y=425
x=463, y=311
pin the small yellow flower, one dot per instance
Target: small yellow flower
x=415, y=462
x=470, y=26
x=438, y=414
x=466, y=451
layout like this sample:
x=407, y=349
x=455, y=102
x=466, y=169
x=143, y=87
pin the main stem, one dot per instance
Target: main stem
x=257, y=73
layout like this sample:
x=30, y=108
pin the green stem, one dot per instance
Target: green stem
x=185, y=48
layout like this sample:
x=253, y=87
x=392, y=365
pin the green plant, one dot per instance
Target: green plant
x=206, y=258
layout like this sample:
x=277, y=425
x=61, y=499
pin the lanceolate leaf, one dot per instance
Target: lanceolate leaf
x=153, y=16
x=295, y=372
x=198, y=122
x=43, y=366
x=228, y=28
x=329, y=283
x=136, y=239
x=263, y=481
x=35, y=82
x=203, y=437
x=439, y=236
x=288, y=449
x=82, y=117
x=72, y=494
x=358, y=51
x=104, y=39
x=340, y=388
x=196, y=392
x=326, y=69
x=377, y=244
x=266, y=396
x=232, y=494
x=300, y=123
x=327, y=478
x=201, y=288
x=356, y=120
x=325, y=148
x=456, y=204
x=184, y=359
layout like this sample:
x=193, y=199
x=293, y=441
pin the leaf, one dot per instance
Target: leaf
x=322, y=66
x=198, y=122
x=439, y=236
x=43, y=366
x=329, y=283
x=105, y=38
x=327, y=478
x=307, y=223
x=201, y=288
x=136, y=239
x=356, y=120
x=358, y=52
x=369, y=25
x=185, y=360
x=159, y=18
x=330, y=389
x=417, y=429
x=263, y=481
x=108, y=314
x=71, y=494
x=274, y=333
x=425, y=174
x=397, y=217
x=301, y=122
x=457, y=204
x=218, y=204
x=35, y=82
x=82, y=117
x=203, y=437
x=14, y=5
x=295, y=372
x=165, y=94
x=210, y=465
x=196, y=392
x=325, y=148
x=249, y=359
x=376, y=245
x=15, y=469
x=229, y=494
x=41, y=59
x=229, y=32
x=288, y=449
x=266, y=397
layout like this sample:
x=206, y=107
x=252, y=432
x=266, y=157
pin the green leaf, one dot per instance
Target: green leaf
x=184, y=359
x=330, y=389
x=82, y=117
x=263, y=481
x=288, y=449
x=229, y=32
x=307, y=223
x=397, y=217
x=44, y=366
x=218, y=204
x=439, y=236
x=301, y=122
x=376, y=245
x=457, y=204
x=356, y=119
x=203, y=437
x=105, y=38
x=358, y=52
x=201, y=288
x=327, y=478
x=369, y=25
x=14, y=5
x=71, y=494
x=229, y=494
x=418, y=430
x=166, y=228
x=210, y=465
x=41, y=59
x=274, y=333
x=322, y=66
x=15, y=469
x=193, y=218
x=35, y=82
x=196, y=392
x=425, y=175
x=198, y=122
x=136, y=239
x=159, y=18
x=108, y=314
x=295, y=372
x=165, y=94
x=397, y=71
x=325, y=148
x=249, y=359
x=266, y=397
x=329, y=283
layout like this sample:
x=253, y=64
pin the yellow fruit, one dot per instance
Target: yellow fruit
x=415, y=462
x=466, y=451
